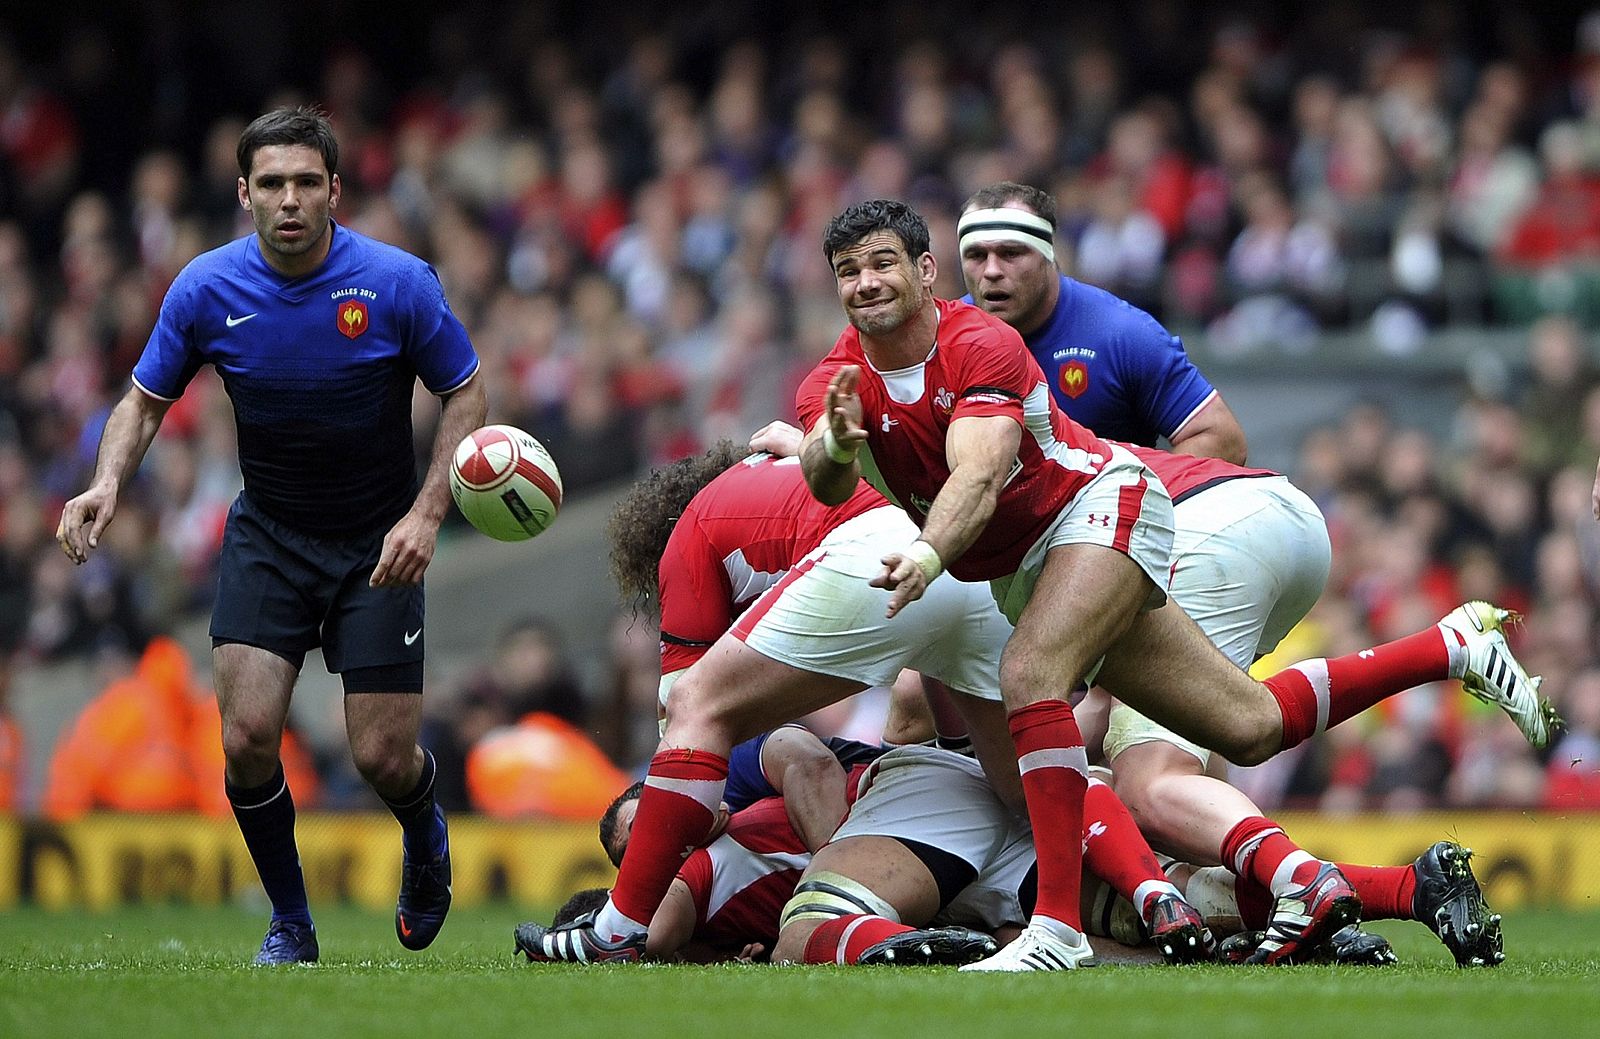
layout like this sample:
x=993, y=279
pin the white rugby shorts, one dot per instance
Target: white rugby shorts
x=942, y=799
x=1125, y=507
x=1250, y=558
x=823, y=617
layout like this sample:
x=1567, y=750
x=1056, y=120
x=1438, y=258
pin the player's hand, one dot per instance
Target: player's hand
x=844, y=408
x=82, y=521
x=903, y=578
x=407, y=551
x=751, y=953
x=777, y=438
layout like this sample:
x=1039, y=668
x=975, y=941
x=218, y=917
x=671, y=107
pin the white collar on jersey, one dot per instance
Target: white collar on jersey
x=906, y=385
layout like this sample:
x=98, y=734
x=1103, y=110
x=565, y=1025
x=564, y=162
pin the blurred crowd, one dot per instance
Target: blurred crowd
x=626, y=207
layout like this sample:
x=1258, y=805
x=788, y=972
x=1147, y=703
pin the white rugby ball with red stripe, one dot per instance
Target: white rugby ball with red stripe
x=505, y=483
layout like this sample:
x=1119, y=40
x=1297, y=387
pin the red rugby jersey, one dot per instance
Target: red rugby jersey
x=978, y=366
x=734, y=540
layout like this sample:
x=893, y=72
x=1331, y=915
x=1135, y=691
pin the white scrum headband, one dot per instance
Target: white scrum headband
x=1006, y=225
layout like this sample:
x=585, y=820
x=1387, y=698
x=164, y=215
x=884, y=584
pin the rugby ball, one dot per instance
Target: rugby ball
x=505, y=483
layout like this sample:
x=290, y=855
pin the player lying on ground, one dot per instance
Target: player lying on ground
x=724, y=895
x=812, y=614
x=706, y=537
x=928, y=843
x=1250, y=557
x=946, y=407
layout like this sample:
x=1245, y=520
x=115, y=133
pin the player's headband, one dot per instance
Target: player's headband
x=1006, y=225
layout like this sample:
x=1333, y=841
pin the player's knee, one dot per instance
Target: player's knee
x=385, y=763
x=694, y=710
x=1255, y=735
x=249, y=744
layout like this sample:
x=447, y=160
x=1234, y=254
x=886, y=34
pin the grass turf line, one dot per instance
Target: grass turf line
x=155, y=972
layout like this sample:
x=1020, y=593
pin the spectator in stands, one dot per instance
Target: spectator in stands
x=530, y=672
x=148, y=743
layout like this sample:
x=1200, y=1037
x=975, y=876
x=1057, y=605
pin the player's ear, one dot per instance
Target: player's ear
x=928, y=268
x=334, y=187
x=244, y=193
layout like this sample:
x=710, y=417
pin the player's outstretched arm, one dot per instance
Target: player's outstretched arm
x=828, y=453
x=408, y=547
x=1214, y=432
x=981, y=451
x=129, y=430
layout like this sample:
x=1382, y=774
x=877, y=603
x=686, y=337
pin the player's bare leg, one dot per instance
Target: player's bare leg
x=253, y=690
x=1166, y=668
x=383, y=730
x=730, y=694
x=1085, y=598
x=863, y=900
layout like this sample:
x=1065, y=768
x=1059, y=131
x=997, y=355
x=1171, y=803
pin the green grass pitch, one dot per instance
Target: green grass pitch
x=156, y=972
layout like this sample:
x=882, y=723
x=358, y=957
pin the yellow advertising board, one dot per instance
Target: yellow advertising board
x=107, y=860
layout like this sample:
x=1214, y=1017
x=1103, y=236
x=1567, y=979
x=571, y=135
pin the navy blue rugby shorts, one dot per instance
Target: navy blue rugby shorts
x=288, y=592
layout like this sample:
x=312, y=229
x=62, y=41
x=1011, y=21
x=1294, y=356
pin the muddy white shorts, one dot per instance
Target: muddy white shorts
x=1249, y=559
x=822, y=615
x=1126, y=508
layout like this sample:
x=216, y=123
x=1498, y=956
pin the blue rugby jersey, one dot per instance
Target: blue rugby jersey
x=1113, y=368
x=320, y=370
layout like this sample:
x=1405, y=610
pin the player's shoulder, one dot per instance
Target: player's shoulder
x=373, y=254
x=227, y=260
x=965, y=329
x=1112, y=317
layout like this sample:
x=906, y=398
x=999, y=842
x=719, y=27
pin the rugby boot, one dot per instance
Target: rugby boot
x=1304, y=918
x=933, y=946
x=1449, y=900
x=1036, y=948
x=287, y=942
x=1178, y=930
x=576, y=942
x=1494, y=675
x=424, y=895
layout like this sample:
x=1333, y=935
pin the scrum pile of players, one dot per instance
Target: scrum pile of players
x=1000, y=828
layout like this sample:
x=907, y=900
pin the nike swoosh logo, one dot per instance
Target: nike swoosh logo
x=413, y=636
x=238, y=320
x=405, y=928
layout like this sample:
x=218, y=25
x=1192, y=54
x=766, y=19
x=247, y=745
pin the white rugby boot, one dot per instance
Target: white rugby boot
x=1493, y=674
x=1037, y=948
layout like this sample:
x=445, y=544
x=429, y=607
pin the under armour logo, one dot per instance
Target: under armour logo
x=1099, y=519
x=887, y=422
x=1367, y=654
x=1093, y=830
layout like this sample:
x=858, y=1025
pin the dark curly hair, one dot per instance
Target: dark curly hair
x=878, y=214
x=641, y=523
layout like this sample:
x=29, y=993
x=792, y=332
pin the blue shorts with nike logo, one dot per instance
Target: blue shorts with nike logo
x=288, y=592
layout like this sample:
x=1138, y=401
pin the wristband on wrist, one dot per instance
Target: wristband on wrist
x=926, y=558
x=836, y=451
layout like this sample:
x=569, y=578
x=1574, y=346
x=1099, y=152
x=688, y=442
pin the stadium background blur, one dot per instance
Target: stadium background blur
x=1376, y=226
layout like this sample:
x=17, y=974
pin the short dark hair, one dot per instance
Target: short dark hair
x=995, y=196
x=303, y=125
x=585, y=901
x=608, y=821
x=879, y=214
